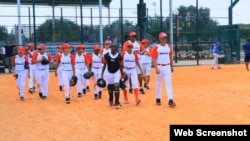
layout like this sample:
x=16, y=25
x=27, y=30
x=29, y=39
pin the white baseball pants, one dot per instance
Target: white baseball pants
x=146, y=68
x=81, y=81
x=215, y=60
x=97, y=75
x=33, y=75
x=43, y=81
x=66, y=77
x=113, y=78
x=59, y=76
x=132, y=74
x=20, y=81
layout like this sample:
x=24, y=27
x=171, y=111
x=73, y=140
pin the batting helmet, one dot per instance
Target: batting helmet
x=122, y=84
x=88, y=74
x=73, y=81
x=101, y=83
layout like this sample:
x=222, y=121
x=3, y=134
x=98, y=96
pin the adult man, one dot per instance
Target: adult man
x=137, y=48
x=246, y=48
x=8, y=55
x=112, y=63
x=216, y=56
x=163, y=63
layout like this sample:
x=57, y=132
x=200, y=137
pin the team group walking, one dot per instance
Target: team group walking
x=120, y=73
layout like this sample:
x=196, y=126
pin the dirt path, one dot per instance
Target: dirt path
x=203, y=96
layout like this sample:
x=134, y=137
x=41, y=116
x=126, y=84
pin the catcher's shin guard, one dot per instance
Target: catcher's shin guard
x=110, y=91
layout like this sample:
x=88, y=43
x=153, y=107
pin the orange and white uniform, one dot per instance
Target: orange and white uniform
x=59, y=70
x=42, y=71
x=20, y=67
x=67, y=63
x=137, y=48
x=33, y=69
x=146, y=61
x=96, y=62
x=81, y=67
x=162, y=55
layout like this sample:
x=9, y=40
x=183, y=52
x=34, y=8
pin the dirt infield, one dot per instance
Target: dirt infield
x=202, y=95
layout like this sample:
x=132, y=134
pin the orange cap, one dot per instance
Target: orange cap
x=21, y=49
x=96, y=47
x=131, y=34
x=31, y=45
x=163, y=35
x=81, y=46
x=145, y=41
x=107, y=42
x=66, y=45
x=129, y=44
x=59, y=47
x=41, y=46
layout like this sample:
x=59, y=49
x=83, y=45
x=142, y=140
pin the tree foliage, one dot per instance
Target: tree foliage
x=3, y=33
x=65, y=30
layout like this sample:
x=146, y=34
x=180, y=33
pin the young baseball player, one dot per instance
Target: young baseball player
x=216, y=56
x=146, y=62
x=137, y=48
x=95, y=65
x=106, y=49
x=67, y=62
x=32, y=73
x=112, y=63
x=81, y=67
x=163, y=63
x=130, y=62
x=20, y=65
x=87, y=81
x=42, y=70
x=58, y=73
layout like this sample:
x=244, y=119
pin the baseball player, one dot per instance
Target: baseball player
x=130, y=61
x=95, y=65
x=32, y=73
x=42, y=70
x=216, y=56
x=137, y=48
x=106, y=49
x=58, y=73
x=20, y=65
x=246, y=48
x=67, y=62
x=163, y=63
x=87, y=81
x=112, y=63
x=81, y=67
x=146, y=62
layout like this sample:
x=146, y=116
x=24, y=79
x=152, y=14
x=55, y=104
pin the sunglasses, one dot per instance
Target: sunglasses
x=40, y=49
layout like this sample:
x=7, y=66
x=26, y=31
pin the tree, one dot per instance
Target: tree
x=65, y=30
x=3, y=33
x=187, y=17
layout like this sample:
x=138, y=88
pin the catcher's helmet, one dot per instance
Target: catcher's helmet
x=88, y=74
x=122, y=84
x=73, y=81
x=101, y=83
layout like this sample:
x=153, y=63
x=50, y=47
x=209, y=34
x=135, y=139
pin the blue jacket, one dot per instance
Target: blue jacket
x=216, y=49
x=246, y=48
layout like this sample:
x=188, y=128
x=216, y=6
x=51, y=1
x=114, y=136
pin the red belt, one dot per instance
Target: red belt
x=129, y=68
x=67, y=70
x=163, y=64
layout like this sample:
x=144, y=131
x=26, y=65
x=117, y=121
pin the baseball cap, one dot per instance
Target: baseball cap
x=80, y=46
x=31, y=45
x=21, y=49
x=107, y=42
x=41, y=46
x=217, y=43
x=129, y=44
x=132, y=34
x=163, y=35
x=96, y=47
x=66, y=45
x=145, y=41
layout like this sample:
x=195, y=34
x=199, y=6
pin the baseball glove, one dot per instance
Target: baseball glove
x=15, y=76
x=88, y=74
x=44, y=61
x=73, y=81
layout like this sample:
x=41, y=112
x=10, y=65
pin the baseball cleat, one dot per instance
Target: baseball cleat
x=141, y=91
x=100, y=95
x=44, y=97
x=60, y=88
x=84, y=91
x=40, y=95
x=158, y=101
x=117, y=106
x=96, y=96
x=79, y=95
x=67, y=100
x=171, y=103
x=31, y=90
x=88, y=89
x=130, y=91
x=22, y=98
x=126, y=102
